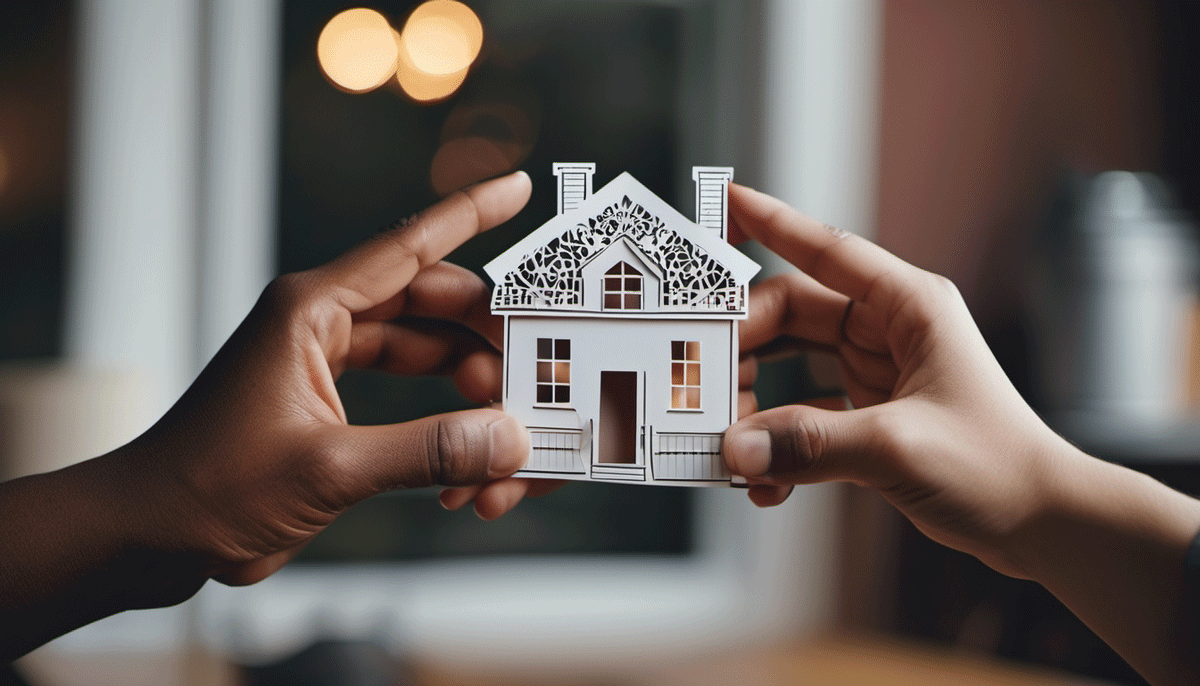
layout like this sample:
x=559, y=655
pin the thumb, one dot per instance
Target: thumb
x=453, y=449
x=799, y=444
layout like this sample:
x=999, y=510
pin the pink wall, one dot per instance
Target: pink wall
x=983, y=103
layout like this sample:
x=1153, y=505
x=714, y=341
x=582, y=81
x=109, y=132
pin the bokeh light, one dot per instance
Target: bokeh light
x=424, y=87
x=463, y=161
x=442, y=37
x=481, y=140
x=439, y=42
x=357, y=50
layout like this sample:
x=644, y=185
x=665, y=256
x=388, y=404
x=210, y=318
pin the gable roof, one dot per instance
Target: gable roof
x=542, y=269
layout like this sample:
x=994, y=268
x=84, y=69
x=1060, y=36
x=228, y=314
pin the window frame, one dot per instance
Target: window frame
x=627, y=273
x=555, y=353
x=682, y=355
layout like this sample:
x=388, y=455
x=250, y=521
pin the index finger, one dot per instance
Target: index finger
x=837, y=259
x=380, y=268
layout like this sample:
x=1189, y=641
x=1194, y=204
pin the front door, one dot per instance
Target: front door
x=617, y=442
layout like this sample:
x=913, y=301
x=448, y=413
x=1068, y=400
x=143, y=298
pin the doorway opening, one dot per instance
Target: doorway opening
x=618, y=418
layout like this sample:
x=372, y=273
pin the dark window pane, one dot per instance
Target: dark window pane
x=544, y=372
x=633, y=302
x=562, y=349
x=616, y=268
x=633, y=284
x=677, y=373
x=544, y=349
x=677, y=350
x=612, y=301
x=562, y=393
x=612, y=284
x=545, y=393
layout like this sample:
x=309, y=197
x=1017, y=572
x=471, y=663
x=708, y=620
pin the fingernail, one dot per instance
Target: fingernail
x=750, y=452
x=508, y=447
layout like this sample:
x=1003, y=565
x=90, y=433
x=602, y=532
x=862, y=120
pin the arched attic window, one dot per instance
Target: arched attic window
x=622, y=287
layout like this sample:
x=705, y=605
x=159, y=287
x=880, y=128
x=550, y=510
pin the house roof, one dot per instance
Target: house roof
x=542, y=269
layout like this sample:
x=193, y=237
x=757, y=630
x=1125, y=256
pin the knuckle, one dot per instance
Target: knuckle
x=457, y=453
x=470, y=207
x=300, y=300
x=895, y=436
x=786, y=282
x=927, y=307
x=290, y=293
x=324, y=455
x=805, y=442
x=329, y=470
x=406, y=253
x=926, y=299
x=943, y=288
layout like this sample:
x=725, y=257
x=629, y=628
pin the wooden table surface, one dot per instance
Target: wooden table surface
x=834, y=660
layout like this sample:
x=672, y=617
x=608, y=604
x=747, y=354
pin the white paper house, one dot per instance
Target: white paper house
x=620, y=332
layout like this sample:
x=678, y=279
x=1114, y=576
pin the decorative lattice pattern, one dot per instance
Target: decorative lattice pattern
x=550, y=276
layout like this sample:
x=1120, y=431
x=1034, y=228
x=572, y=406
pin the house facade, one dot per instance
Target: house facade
x=621, y=346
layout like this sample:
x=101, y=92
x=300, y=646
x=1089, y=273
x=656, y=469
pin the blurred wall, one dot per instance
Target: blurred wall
x=983, y=108
x=983, y=105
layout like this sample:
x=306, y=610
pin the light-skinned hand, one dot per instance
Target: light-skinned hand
x=938, y=429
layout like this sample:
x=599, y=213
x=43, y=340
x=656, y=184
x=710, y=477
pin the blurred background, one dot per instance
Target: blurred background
x=160, y=161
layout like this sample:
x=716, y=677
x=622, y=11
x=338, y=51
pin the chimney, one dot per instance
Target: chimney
x=712, y=186
x=574, y=183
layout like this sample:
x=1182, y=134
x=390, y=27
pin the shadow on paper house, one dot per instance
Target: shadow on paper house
x=620, y=332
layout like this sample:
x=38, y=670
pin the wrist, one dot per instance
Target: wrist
x=80, y=539
x=1054, y=471
x=1083, y=501
x=129, y=514
x=1111, y=543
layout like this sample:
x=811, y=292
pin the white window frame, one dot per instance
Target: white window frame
x=688, y=363
x=628, y=273
x=554, y=382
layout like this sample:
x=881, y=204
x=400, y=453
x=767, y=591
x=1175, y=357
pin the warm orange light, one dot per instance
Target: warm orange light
x=424, y=87
x=439, y=42
x=357, y=50
x=442, y=37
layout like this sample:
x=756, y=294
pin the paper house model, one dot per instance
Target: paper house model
x=620, y=332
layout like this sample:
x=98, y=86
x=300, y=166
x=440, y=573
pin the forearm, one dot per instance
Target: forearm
x=70, y=553
x=1110, y=543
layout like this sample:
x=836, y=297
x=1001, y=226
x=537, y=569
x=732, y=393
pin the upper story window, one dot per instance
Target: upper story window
x=554, y=370
x=622, y=288
x=685, y=375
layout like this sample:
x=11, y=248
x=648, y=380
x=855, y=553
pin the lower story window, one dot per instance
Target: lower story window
x=685, y=375
x=554, y=370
